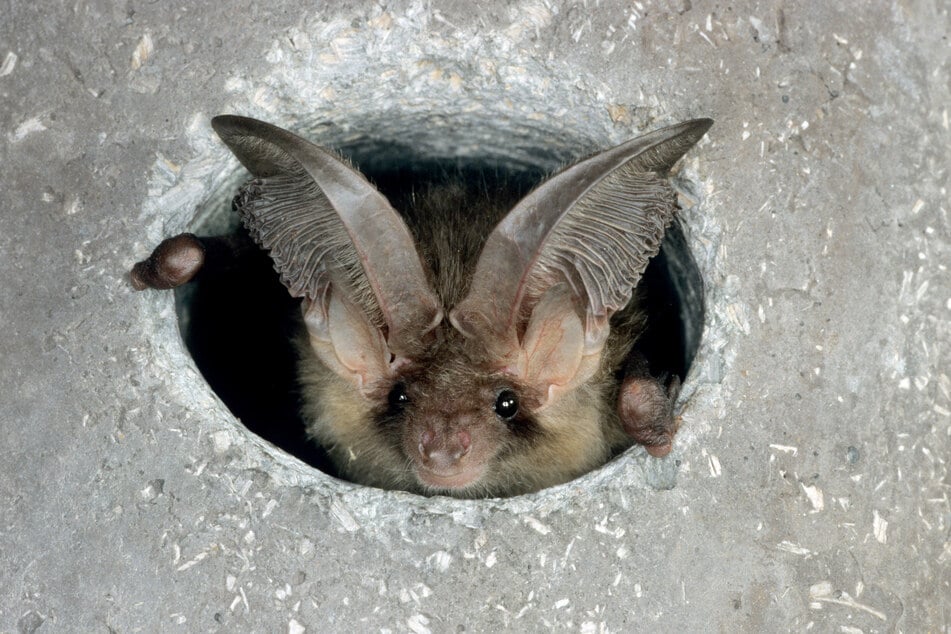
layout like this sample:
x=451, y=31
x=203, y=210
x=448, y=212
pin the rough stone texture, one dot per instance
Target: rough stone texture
x=813, y=484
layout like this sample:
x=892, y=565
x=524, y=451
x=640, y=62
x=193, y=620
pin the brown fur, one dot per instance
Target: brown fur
x=454, y=388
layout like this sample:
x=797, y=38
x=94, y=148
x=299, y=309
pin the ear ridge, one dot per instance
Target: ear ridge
x=319, y=218
x=664, y=147
x=593, y=226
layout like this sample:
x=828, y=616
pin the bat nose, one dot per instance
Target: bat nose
x=442, y=451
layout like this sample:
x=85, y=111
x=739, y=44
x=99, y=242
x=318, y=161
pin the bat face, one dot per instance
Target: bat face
x=460, y=346
x=454, y=426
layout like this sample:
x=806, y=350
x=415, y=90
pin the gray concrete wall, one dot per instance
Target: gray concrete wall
x=812, y=484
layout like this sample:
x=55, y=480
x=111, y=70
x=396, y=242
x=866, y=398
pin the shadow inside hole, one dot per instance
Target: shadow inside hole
x=241, y=324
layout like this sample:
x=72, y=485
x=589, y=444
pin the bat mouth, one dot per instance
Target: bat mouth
x=454, y=480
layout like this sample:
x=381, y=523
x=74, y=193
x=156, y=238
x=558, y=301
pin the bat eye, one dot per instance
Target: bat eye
x=506, y=405
x=398, y=398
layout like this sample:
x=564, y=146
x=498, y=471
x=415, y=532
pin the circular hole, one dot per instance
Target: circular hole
x=240, y=325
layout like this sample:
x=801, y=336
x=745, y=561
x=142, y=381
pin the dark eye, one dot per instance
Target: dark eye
x=397, y=398
x=506, y=405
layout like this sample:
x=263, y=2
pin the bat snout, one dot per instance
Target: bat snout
x=444, y=459
x=443, y=451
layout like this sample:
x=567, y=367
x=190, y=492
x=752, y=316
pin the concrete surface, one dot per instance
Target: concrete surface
x=813, y=488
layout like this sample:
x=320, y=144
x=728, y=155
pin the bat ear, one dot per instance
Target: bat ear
x=337, y=242
x=568, y=256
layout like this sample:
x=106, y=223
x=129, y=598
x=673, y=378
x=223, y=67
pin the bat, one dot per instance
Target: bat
x=465, y=345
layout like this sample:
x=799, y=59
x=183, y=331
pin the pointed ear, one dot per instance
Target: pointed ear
x=336, y=241
x=592, y=228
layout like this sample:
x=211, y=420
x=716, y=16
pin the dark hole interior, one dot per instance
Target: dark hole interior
x=239, y=325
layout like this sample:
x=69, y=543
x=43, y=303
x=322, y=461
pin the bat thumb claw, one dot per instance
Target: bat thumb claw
x=173, y=262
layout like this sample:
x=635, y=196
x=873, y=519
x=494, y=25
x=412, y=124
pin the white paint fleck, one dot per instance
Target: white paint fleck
x=275, y=55
x=815, y=496
x=879, y=527
x=785, y=449
x=142, y=52
x=561, y=603
x=820, y=589
x=491, y=559
x=713, y=463
x=905, y=383
x=622, y=552
x=823, y=592
x=795, y=549
x=440, y=560
x=919, y=204
x=707, y=38
x=269, y=508
x=737, y=314
x=418, y=623
x=945, y=555
x=221, y=440
x=25, y=129
x=342, y=515
x=616, y=533
x=293, y=627
x=9, y=63
x=235, y=84
x=152, y=490
x=188, y=564
x=536, y=525
x=73, y=207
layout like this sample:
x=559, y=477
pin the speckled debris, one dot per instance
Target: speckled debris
x=809, y=486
